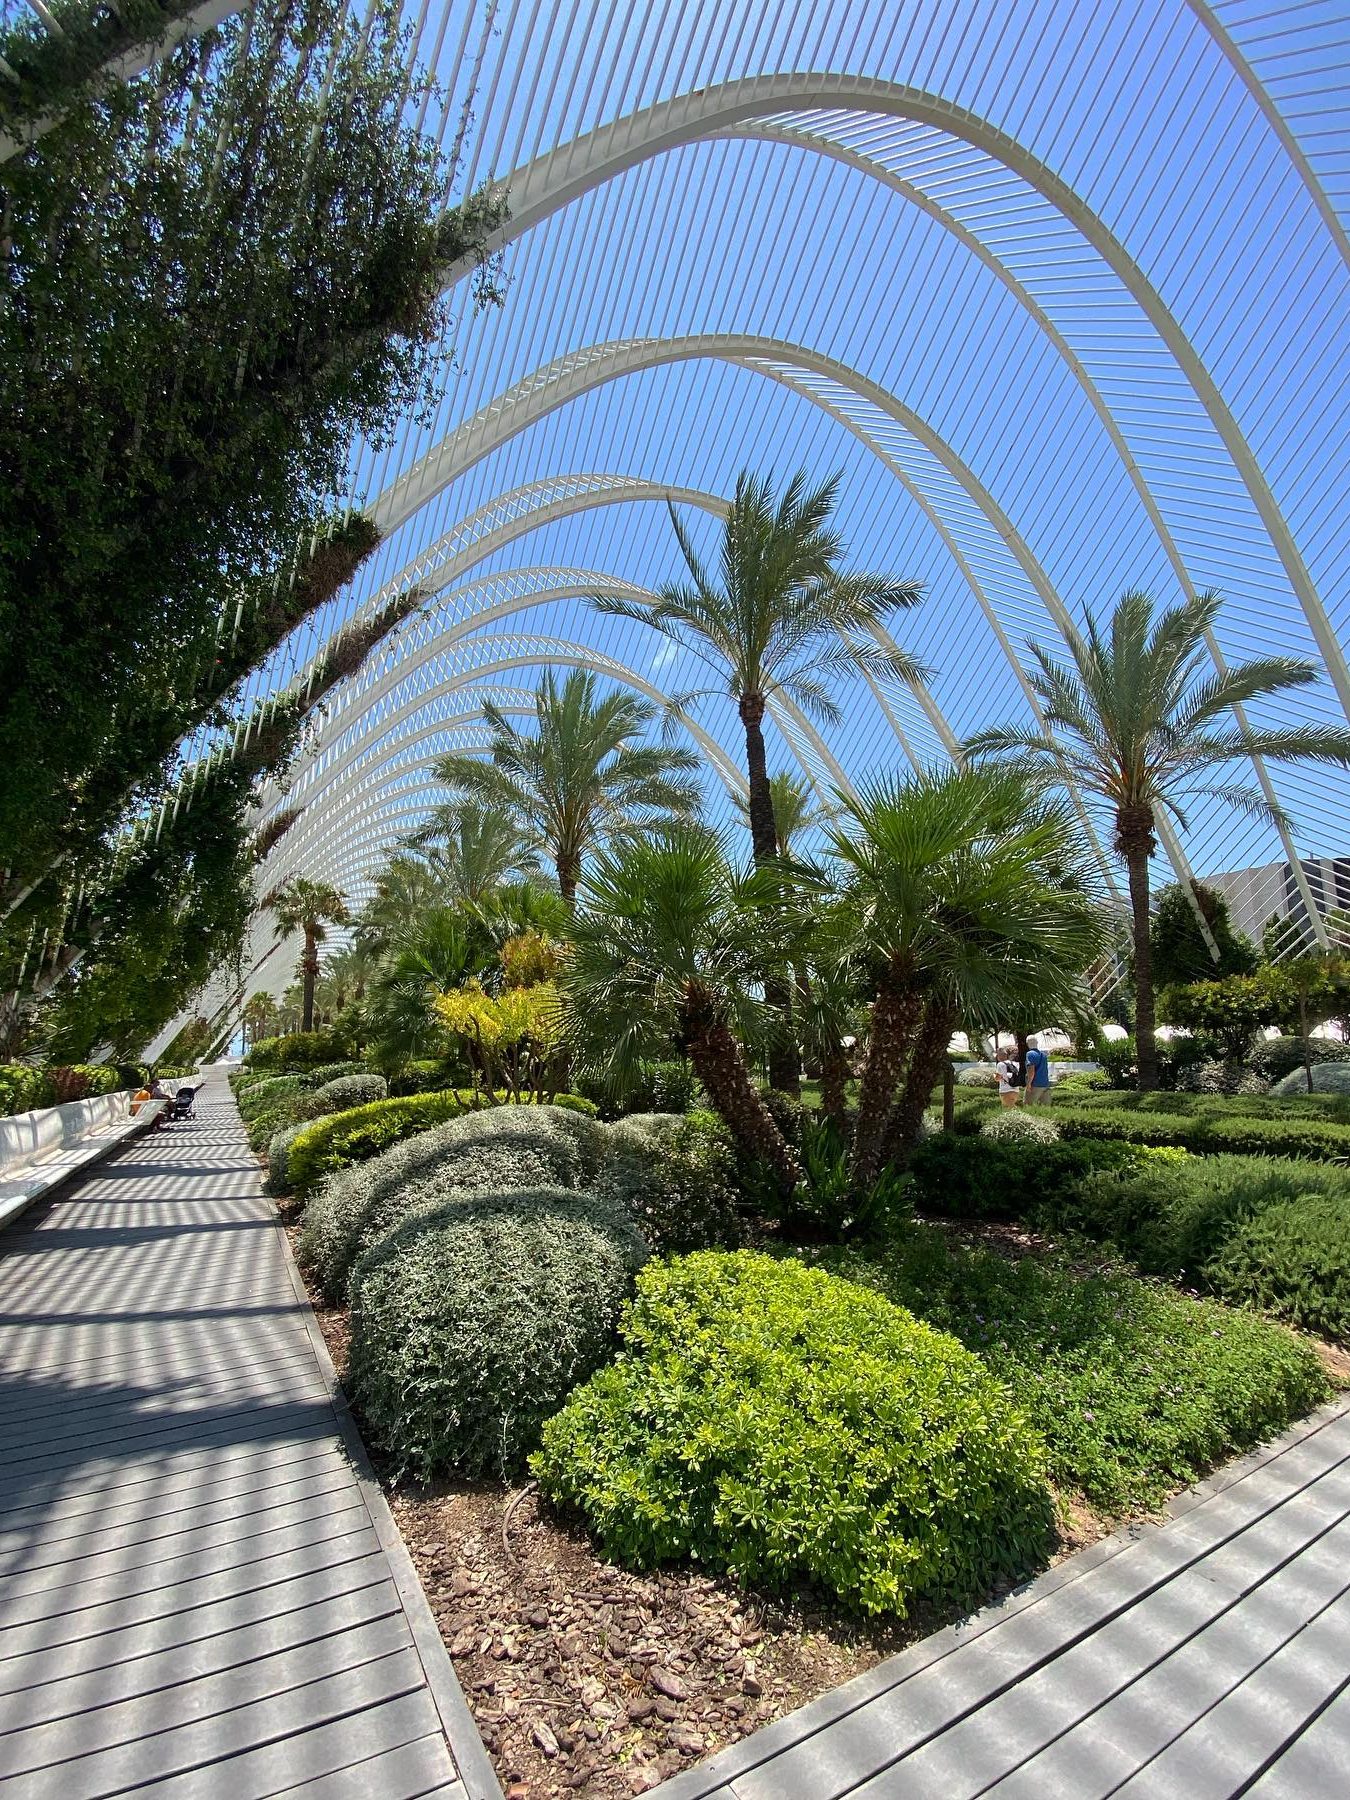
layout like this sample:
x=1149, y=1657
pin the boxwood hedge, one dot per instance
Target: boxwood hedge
x=778, y=1422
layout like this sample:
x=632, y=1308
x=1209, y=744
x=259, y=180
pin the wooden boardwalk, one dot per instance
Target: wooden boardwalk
x=1201, y=1660
x=202, y=1593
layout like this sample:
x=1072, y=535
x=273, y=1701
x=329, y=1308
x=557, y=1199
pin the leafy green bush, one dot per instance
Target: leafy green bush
x=674, y=1176
x=268, y=1093
x=973, y=1077
x=341, y=1095
x=267, y=1122
x=472, y=1322
x=1083, y=1081
x=1221, y=1078
x=299, y=1050
x=1136, y=1390
x=277, y=1180
x=1292, y=1258
x=334, y=1071
x=495, y=1147
x=425, y=1077
x=23, y=1088
x=658, y=1087
x=1179, y=1218
x=829, y=1200
x=979, y=1177
x=1211, y=1131
x=778, y=1422
x=1020, y=1125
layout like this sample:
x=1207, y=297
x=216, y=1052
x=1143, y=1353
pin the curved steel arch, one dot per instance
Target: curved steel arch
x=540, y=586
x=554, y=180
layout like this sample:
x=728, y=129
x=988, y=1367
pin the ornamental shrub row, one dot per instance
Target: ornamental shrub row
x=27, y=1088
x=299, y=1050
x=777, y=1422
x=358, y=1133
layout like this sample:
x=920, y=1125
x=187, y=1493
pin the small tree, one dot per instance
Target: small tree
x=309, y=907
x=1180, y=952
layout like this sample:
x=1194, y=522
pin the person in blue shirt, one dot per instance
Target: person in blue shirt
x=1038, y=1073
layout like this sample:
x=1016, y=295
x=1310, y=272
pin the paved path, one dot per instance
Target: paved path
x=1198, y=1661
x=201, y=1591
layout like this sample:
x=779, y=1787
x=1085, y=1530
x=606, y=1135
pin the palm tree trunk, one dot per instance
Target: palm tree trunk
x=719, y=1062
x=834, y=1073
x=784, y=1064
x=568, y=867
x=1134, y=839
x=895, y=1013
x=309, y=970
x=925, y=1069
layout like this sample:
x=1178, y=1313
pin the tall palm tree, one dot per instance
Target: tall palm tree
x=669, y=946
x=779, y=617
x=965, y=895
x=1137, y=720
x=581, y=778
x=310, y=907
x=472, y=848
x=258, y=1018
x=796, y=810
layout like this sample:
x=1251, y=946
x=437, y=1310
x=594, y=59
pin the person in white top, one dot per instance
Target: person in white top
x=1007, y=1070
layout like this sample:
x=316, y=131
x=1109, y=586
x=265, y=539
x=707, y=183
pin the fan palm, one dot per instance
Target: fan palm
x=309, y=907
x=964, y=895
x=779, y=618
x=439, y=950
x=796, y=810
x=580, y=778
x=1136, y=720
x=669, y=945
x=472, y=848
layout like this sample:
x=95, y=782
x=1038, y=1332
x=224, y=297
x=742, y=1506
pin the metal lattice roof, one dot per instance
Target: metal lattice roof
x=1063, y=288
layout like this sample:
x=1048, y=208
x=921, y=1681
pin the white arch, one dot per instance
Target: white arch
x=554, y=180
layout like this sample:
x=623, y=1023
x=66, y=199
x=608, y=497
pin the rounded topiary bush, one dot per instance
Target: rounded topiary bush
x=974, y=1077
x=500, y=1147
x=675, y=1178
x=778, y=1422
x=1021, y=1125
x=277, y=1179
x=1327, y=1078
x=1277, y=1057
x=472, y=1321
x=337, y=1096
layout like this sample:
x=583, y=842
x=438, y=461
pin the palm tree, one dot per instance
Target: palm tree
x=965, y=895
x=310, y=907
x=1137, y=721
x=440, y=949
x=779, y=618
x=259, y=1018
x=796, y=810
x=472, y=849
x=580, y=778
x=669, y=945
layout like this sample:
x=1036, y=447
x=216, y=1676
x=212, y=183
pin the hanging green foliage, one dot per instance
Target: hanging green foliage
x=215, y=277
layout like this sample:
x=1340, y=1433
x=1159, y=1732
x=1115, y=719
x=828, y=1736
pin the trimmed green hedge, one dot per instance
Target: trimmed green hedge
x=26, y=1088
x=777, y=1422
x=1135, y=1389
x=1209, y=1133
x=472, y=1322
x=299, y=1050
x=364, y=1131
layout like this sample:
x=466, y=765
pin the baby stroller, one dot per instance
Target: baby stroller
x=181, y=1106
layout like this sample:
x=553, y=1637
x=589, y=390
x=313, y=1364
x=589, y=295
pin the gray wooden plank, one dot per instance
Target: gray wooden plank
x=414, y=1771
x=261, y=1721
x=1252, y=1725
x=91, y=1604
x=1086, y=1724
x=250, y=1528
x=253, y=1634
x=1315, y=1764
x=161, y=1514
x=325, y=1571
x=199, y=1597
x=116, y=1737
